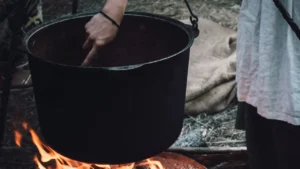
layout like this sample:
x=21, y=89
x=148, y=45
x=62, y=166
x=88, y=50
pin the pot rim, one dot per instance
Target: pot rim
x=181, y=25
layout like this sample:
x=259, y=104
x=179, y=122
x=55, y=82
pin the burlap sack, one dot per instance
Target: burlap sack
x=211, y=85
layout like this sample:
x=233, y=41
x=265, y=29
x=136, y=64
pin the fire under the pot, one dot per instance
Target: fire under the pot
x=47, y=158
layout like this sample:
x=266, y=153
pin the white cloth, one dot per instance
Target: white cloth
x=268, y=60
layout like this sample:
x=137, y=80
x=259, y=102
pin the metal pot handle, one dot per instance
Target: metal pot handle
x=194, y=20
x=193, y=17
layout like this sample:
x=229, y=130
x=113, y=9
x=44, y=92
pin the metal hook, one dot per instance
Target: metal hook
x=193, y=18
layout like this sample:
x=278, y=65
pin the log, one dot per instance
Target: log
x=216, y=157
x=228, y=142
x=219, y=160
x=206, y=150
x=13, y=157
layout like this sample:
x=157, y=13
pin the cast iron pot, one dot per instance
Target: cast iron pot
x=129, y=105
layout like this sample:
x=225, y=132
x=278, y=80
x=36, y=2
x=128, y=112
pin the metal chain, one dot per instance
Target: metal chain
x=74, y=6
x=288, y=18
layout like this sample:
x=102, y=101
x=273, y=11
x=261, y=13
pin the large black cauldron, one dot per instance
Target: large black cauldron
x=129, y=105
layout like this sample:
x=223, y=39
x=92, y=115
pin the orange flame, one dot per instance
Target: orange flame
x=18, y=138
x=47, y=155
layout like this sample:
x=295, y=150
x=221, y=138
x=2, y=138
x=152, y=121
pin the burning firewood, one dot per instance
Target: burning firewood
x=47, y=158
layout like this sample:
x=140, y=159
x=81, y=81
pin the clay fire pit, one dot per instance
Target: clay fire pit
x=177, y=161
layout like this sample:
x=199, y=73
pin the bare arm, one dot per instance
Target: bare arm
x=115, y=9
x=101, y=31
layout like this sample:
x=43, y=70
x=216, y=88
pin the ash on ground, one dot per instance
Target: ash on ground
x=216, y=130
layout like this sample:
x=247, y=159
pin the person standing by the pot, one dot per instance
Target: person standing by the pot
x=16, y=18
x=268, y=79
x=19, y=16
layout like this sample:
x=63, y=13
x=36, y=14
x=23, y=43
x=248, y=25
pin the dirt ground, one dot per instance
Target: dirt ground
x=22, y=106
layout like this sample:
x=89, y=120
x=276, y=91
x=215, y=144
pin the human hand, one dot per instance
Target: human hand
x=101, y=31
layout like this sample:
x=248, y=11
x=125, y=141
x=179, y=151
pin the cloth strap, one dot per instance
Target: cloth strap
x=288, y=18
